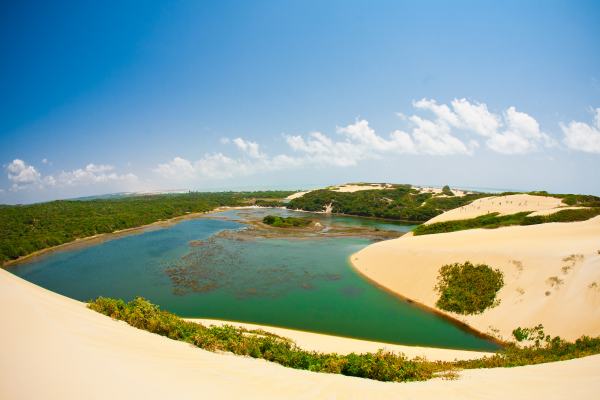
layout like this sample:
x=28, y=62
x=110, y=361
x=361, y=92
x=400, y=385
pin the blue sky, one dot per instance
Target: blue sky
x=102, y=97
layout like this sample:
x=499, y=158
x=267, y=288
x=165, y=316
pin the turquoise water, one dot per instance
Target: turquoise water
x=324, y=219
x=305, y=284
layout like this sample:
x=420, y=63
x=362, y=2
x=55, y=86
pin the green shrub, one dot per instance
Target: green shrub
x=467, y=288
x=27, y=228
x=447, y=191
x=382, y=365
x=285, y=222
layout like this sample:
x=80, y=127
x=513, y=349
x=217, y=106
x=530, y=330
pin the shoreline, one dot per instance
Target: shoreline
x=449, y=318
x=551, y=274
x=101, y=237
x=330, y=343
x=111, y=359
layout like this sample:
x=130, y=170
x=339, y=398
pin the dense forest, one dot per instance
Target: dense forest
x=27, y=228
x=402, y=202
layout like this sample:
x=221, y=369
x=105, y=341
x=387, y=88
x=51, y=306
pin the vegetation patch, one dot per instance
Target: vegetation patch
x=400, y=202
x=286, y=222
x=382, y=365
x=25, y=229
x=495, y=220
x=447, y=191
x=468, y=289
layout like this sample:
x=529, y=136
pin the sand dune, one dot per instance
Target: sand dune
x=504, y=205
x=346, y=188
x=54, y=348
x=551, y=273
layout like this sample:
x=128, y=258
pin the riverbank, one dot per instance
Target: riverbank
x=99, y=238
x=58, y=349
x=551, y=273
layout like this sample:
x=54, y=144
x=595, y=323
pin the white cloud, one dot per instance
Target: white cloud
x=250, y=148
x=24, y=176
x=514, y=132
x=449, y=132
x=434, y=138
x=581, y=136
x=20, y=173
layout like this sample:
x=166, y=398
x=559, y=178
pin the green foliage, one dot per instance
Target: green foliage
x=447, y=191
x=494, y=220
x=285, y=222
x=269, y=203
x=402, y=202
x=382, y=365
x=467, y=288
x=142, y=314
x=27, y=228
x=535, y=334
x=544, y=349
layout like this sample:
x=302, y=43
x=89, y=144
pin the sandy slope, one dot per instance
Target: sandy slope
x=349, y=188
x=342, y=345
x=504, y=205
x=551, y=273
x=54, y=348
x=346, y=188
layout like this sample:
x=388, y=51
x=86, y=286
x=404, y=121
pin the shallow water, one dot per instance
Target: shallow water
x=304, y=284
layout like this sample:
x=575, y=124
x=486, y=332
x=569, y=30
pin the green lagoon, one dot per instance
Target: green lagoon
x=304, y=284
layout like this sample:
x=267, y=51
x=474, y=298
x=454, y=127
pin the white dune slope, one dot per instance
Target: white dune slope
x=551, y=273
x=53, y=347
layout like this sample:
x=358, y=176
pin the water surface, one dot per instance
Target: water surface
x=305, y=284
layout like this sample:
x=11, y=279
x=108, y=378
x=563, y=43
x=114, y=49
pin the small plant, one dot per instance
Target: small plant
x=554, y=281
x=468, y=289
x=447, y=191
x=535, y=335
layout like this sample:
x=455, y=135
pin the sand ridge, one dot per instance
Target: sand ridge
x=504, y=205
x=551, y=273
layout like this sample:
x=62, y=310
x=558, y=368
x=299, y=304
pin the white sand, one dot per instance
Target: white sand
x=346, y=188
x=53, y=347
x=438, y=191
x=541, y=284
x=297, y=195
x=349, y=188
x=504, y=205
x=342, y=345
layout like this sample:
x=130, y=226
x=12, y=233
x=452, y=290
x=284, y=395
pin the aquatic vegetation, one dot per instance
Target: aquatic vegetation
x=468, y=289
x=285, y=222
x=223, y=263
x=381, y=365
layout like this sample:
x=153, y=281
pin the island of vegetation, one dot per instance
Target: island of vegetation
x=286, y=222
